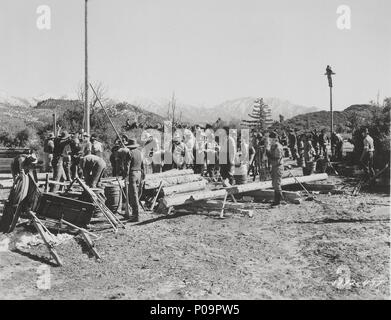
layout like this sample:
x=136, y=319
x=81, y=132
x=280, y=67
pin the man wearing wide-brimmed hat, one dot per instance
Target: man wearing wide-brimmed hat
x=48, y=148
x=96, y=146
x=86, y=145
x=151, y=152
x=23, y=163
x=276, y=154
x=367, y=154
x=178, y=149
x=62, y=149
x=132, y=160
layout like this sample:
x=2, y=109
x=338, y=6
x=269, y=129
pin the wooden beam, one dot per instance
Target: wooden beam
x=183, y=198
x=268, y=195
x=170, y=181
x=180, y=199
x=319, y=186
x=169, y=173
x=183, y=188
x=268, y=184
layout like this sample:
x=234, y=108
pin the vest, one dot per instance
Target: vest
x=59, y=146
x=136, y=160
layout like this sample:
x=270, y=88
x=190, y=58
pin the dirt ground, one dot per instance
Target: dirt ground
x=287, y=252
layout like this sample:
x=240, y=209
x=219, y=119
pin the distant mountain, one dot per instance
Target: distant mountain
x=7, y=100
x=231, y=110
x=321, y=119
x=23, y=114
x=236, y=109
x=240, y=108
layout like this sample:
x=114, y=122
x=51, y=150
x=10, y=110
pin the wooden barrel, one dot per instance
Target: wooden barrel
x=240, y=174
x=241, y=179
x=113, y=198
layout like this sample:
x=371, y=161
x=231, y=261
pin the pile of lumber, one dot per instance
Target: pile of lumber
x=316, y=188
x=179, y=199
x=172, y=178
x=218, y=205
x=268, y=195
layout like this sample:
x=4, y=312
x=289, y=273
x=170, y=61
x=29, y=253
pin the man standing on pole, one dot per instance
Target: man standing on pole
x=329, y=74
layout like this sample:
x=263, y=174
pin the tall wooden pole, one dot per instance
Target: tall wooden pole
x=86, y=106
x=329, y=73
x=331, y=111
x=54, y=124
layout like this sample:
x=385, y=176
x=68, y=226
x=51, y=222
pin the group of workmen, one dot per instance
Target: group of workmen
x=74, y=155
x=71, y=155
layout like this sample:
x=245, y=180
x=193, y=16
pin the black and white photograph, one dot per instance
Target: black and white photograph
x=203, y=152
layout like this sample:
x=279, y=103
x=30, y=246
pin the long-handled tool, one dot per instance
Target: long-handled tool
x=365, y=180
x=90, y=244
x=157, y=195
x=46, y=236
x=111, y=218
x=127, y=209
x=309, y=195
x=127, y=212
x=108, y=117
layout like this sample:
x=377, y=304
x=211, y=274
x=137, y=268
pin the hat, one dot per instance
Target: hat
x=187, y=133
x=273, y=135
x=33, y=158
x=176, y=137
x=64, y=135
x=146, y=136
x=132, y=143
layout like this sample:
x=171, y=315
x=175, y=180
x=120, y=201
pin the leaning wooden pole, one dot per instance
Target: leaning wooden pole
x=108, y=117
x=86, y=106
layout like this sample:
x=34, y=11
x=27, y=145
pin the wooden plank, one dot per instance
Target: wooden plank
x=319, y=186
x=183, y=198
x=180, y=199
x=170, y=181
x=6, y=184
x=41, y=175
x=169, y=173
x=216, y=205
x=184, y=188
x=268, y=195
x=268, y=184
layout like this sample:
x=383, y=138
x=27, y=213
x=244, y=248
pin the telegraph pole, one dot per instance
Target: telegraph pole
x=329, y=74
x=86, y=106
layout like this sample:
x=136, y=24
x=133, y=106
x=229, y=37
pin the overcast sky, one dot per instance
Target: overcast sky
x=208, y=51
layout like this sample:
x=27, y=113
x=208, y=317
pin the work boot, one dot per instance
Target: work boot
x=277, y=199
x=133, y=218
x=282, y=198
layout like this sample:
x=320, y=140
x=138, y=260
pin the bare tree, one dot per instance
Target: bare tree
x=172, y=109
x=101, y=93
